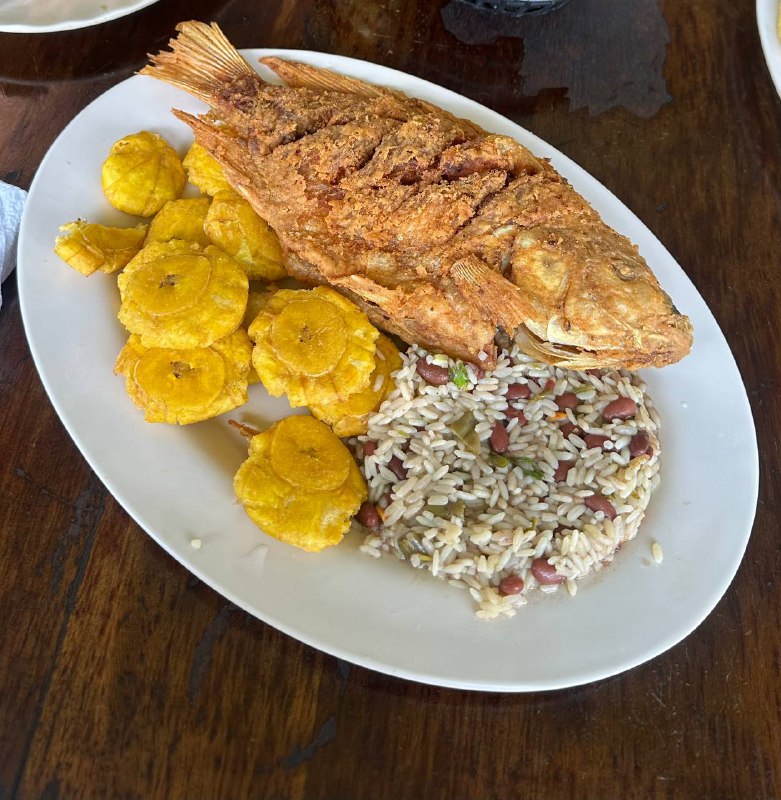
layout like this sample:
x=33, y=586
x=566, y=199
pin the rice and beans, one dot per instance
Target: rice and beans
x=528, y=477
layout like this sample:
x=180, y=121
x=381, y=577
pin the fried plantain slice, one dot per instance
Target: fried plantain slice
x=88, y=247
x=351, y=417
x=233, y=225
x=141, y=174
x=182, y=386
x=180, y=219
x=300, y=484
x=255, y=302
x=313, y=345
x=204, y=171
x=177, y=294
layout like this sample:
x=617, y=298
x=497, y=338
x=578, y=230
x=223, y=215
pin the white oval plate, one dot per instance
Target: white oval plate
x=767, y=23
x=35, y=16
x=177, y=482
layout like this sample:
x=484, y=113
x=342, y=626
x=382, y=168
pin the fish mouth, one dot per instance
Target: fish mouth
x=557, y=354
x=663, y=343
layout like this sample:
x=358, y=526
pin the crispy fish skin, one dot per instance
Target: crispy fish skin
x=440, y=231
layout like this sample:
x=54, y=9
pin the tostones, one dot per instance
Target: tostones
x=256, y=302
x=350, y=417
x=313, y=345
x=180, y=219
x=177, y=294
x=204, y=171
x=233, y=225
x=87, y=246
x=300, y=483
x=142, y=173
x=178, y=385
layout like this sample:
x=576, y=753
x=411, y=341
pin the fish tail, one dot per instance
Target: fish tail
x=202, y=62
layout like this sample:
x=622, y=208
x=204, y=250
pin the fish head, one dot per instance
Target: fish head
x=593, y=301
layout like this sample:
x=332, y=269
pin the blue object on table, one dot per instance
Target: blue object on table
x=515, y=8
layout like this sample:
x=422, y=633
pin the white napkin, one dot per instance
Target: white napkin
x=11, y=204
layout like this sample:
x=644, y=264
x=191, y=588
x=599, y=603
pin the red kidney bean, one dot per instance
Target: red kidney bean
x=567, y=428
x=518, y=391
x=567, y=400
x=549, y=385
x=396, y=466
x=516, y=413
x=639, y=444
x=623, y=408
x=599, y=503
x=597, y=373
x=432, y=373
x=369, y=448
x=367, y=515
x=545, y=573
x=560, y=473
x=595, y=440
x=500, y=439
x=512, y=584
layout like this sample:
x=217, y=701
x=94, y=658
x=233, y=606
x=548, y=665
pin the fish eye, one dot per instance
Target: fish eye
x=626, y=272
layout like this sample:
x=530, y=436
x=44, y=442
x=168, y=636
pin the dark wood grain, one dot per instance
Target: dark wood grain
x=121, y=676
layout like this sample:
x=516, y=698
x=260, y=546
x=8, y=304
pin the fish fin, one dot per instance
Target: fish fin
x=411, y=312
x=305, y=76
x=369, y=290
x=202, y=62
x=504, y=303
x=499, y=299
x=222, y=144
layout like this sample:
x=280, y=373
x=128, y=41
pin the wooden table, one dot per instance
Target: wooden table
x=122, y=676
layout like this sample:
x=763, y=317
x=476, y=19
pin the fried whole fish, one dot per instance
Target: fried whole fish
x=439, y=231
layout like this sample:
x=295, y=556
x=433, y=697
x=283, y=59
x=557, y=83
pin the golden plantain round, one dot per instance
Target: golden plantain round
x=204, y=171
x=141, y=174
x=351, y=417
x=304, y=455
x=180, y=219
x=256, y=301
x=233, y=225
x=302, y=513
x=177, y=294
x=313, y=345
x=183, y=386
x=87, y=246
x=299, y=331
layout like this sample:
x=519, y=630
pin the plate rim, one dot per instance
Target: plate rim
x=417, y=675
x=71, y=24
x=767, y=12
